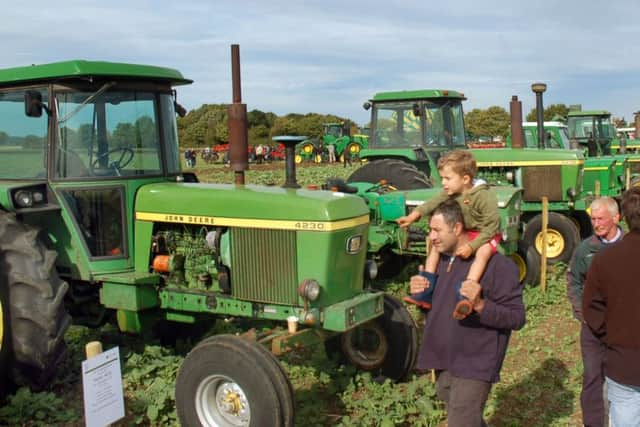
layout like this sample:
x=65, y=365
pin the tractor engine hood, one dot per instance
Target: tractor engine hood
x=210, y=201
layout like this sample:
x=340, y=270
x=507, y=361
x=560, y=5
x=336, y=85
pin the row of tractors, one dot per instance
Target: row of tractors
x=98, y=228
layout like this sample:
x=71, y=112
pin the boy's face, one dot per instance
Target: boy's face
x=452, y=182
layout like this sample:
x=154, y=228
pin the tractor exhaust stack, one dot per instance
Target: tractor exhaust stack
x=539, y=89
x=517, y=135
x=237, y=115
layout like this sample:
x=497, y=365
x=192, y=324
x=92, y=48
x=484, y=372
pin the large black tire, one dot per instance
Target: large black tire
x=527, y=260
x=34, y=319
x=397, y=173
x=562, y=237
x=226, y=381
x=387, y=345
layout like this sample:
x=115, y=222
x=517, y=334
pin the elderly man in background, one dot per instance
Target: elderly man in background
x=610, y=293
x=604, y=219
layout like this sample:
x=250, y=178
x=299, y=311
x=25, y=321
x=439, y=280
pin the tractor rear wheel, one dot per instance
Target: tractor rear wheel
x=562, y=237
x=387, y=345
x=354, y=150
x=397, y=173
x=34, y=320
x=527, y=260
x=227, y=381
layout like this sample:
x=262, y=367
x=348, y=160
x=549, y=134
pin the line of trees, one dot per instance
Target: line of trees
x=207, y=125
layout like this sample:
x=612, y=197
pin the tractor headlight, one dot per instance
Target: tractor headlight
x=309, y=289
x=510, y=177
x=371, y=269
x=24, y=199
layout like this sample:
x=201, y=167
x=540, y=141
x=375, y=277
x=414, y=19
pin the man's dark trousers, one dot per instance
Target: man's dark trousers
x=592, y=395
x=465, y=399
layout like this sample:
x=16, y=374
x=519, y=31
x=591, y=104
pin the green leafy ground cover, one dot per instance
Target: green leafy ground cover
x=540, y=379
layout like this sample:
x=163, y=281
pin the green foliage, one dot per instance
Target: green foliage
x=552, y=112
x=149, y=380
x=36, y=409
x=494, y=121
x=370, y=403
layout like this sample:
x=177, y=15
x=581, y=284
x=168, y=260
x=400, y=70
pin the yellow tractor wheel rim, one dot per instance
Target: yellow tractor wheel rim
x=521, y=264
x=318, y=158
x=307, y=148
x=555, y=243
x=354, y=148
x=298, y=158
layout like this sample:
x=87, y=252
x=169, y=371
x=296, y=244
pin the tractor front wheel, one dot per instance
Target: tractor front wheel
x=387, y=345
x=396, y=173
x=562, y=237
x=227, y=381
x=33, y=320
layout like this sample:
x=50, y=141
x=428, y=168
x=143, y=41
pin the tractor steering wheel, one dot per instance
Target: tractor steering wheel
x=126, y=156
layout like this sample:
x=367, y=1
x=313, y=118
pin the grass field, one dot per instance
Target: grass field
x=540, y=383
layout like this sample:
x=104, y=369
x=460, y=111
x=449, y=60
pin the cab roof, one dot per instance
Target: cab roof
x=81, y=69
x=422, y=94
x=588, y=113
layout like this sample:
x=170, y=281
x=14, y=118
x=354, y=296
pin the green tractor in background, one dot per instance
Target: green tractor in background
x=411, y=129
x=595, y=133
x=604, y=175
x=99, y=224
x=336, y=134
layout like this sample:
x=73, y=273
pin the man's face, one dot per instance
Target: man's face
x=443, y=238
x=604, y=224
x=452, y=182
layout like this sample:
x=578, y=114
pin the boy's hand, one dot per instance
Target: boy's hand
x=465, y=251
x=405, y=221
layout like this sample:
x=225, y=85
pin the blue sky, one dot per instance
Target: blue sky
x=330, y=56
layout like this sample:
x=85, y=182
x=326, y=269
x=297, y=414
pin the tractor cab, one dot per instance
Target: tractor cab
x=412, y=127
x=80, y=138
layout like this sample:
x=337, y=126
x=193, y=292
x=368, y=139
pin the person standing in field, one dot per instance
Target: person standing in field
x=467, y=354
x=608, y=307
x=604, y=220
x=331, y=148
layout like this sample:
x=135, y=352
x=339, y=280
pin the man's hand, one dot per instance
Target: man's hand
x=418, y=283
x=405, y=221
x=473, y=292
x=465, y=251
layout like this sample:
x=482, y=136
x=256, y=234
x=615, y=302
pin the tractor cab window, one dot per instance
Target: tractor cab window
x=411, y=123
x=107, y=134
x=98, y=214
x=23, y=139
x=334, y=130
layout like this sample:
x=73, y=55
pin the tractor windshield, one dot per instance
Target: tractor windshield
x=114, y=134
x=582, y=127
x=23, y=139
x=418, y=123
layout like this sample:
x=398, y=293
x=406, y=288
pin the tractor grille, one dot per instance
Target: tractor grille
x=539, y=181
x=263, y=265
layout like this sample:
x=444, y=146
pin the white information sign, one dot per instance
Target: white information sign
x=102, y=387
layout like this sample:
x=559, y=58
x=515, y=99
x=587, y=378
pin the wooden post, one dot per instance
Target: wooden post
x=93, y=349
x=543, y=258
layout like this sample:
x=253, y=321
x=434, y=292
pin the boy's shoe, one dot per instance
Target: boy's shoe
x=463, y=307
x=424, y=299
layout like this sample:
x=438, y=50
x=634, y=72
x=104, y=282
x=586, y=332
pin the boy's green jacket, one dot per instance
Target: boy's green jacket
x=479, y=209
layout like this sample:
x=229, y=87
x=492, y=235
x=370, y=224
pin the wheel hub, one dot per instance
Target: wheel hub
x=365, y=346
x=521, y=264
x=555, y=243
x=222, y=402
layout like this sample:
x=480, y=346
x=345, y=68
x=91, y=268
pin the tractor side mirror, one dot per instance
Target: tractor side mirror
x=366, y=105
x=180, y=110
x=33, y=103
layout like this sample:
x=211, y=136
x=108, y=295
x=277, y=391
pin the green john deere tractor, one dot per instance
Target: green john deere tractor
x=98, y=223
x=336, y=134
x=604, y=174
x=411, y=129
